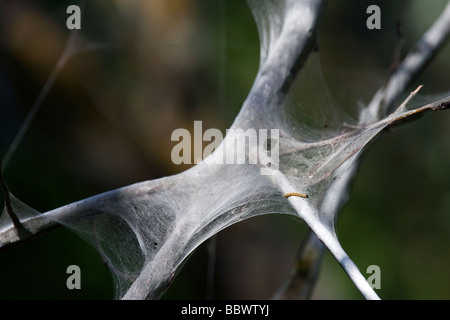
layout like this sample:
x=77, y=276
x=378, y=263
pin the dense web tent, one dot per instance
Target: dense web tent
x=302, y=166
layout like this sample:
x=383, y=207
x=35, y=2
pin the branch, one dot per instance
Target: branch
x=415, y=62
x=303, y=276
x=65, y=215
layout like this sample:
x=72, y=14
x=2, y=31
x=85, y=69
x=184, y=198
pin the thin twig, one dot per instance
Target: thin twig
x=441, y=104
x=67, y=53
x=402, y=107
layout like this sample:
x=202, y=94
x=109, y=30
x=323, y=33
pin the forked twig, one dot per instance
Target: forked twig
x=417, y=59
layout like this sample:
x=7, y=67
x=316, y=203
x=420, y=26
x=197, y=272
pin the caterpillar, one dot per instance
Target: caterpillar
x=295, y=194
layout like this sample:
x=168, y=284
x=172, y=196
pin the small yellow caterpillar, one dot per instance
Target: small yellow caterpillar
x=295, y=194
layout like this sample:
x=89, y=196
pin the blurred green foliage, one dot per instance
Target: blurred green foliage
x=145, y=68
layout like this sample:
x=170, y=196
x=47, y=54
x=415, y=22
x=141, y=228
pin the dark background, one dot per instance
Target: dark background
x=146, y=68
